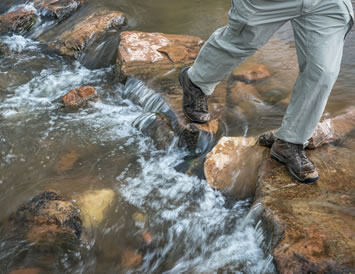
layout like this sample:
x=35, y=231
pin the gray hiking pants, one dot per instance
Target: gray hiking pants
x=319, y=26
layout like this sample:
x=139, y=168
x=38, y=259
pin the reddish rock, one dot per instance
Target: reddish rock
x=74, y=41
x=18, y=21
x=58, y=9
x=250, y=73
x=146, y=55
x=80, y=97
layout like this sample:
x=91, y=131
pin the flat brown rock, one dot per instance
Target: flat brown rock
x=18, y=21
x=79, y=97
x=146, y=55
x=74, y=41
x=312, y=225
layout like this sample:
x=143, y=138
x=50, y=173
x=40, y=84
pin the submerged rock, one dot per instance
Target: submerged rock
x=93, y=205
x=75, y=41
x=250, y=73
x=131, y=259
x=67, y=161
x=18, y=21
x=146, y=55
x=49, y=218
x=79, y=97
x=58, y=9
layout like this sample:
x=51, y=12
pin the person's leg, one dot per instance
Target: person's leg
x=251, y=24
x=249, y=27
x=319, y=37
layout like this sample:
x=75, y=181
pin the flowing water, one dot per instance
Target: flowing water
x=194, y=228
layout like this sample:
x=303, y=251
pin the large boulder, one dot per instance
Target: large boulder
x=75, y=41
x=18, y=21
x=232, y=166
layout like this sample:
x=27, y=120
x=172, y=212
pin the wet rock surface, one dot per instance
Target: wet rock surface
x=312, y=226
x=94, y=28
x=18, y=21
x=79, y=97
x=159, y=129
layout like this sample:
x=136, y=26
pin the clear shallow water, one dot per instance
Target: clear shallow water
x=194, y=228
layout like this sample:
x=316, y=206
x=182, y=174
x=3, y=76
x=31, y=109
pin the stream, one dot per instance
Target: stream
x=194, y=228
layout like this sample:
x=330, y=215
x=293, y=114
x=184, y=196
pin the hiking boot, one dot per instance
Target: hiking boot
x=194, y=101
x=294, y=157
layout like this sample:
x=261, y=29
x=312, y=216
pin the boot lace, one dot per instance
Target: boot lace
x=300, y=154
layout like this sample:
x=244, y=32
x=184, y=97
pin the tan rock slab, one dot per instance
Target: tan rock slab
x=146, y=55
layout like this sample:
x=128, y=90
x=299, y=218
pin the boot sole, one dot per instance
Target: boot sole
x=309, y=181
x=188, y=116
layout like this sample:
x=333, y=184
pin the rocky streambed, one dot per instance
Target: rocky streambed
x=104, y=174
